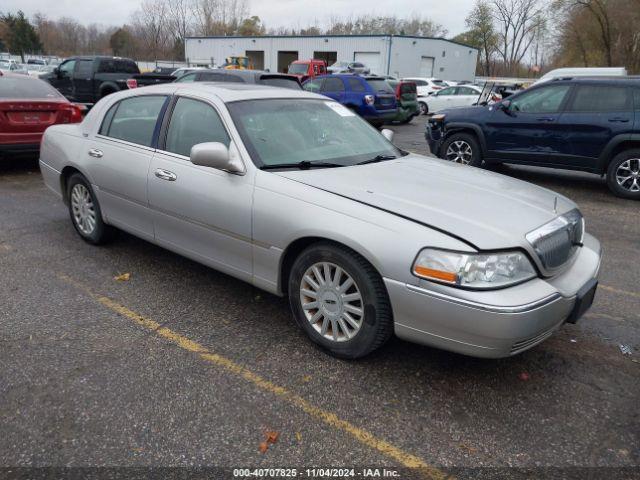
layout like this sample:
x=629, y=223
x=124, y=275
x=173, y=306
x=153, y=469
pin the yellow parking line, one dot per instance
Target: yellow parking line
x=329, y=418
x=618, y=291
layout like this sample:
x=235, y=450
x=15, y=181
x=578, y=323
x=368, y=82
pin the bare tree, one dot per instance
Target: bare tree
x=150, y=24
x=219, y=17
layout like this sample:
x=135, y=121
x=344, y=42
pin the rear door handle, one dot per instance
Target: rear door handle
x=94, y=152
x=166, y=175
x=619, y=119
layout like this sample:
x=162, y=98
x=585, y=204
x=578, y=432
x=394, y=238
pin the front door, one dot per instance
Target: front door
x=83, y=81
x=200, y=212
x=119, y=157
x=528, y=130
x=594, y=116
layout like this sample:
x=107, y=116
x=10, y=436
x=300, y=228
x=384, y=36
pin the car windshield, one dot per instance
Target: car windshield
x=11, y=87
x=298, y=68
x=290, y=131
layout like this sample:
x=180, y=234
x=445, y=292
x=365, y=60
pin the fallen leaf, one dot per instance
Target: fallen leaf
x=306, y=378
x=524, y=376
x=123, y=277
x=298, y=437
x=263, y=447
x=272, y=437
x=468, y=448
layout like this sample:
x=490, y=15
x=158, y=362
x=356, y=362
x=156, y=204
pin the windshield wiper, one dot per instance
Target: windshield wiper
x=377, y=158
x=303, y=165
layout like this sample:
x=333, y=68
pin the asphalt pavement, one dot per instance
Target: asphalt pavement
x=182, y=366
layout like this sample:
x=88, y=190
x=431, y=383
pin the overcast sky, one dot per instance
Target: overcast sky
x=274, y=13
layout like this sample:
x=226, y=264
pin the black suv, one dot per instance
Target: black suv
x=587, y=124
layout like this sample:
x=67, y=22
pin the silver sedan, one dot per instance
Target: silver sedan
x=297, y=195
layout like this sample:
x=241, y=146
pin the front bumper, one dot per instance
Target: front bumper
x=434, y=136
x=496, y=323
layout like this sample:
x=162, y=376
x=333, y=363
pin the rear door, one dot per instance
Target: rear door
x=83, y=81
x=200, y=212
x=596, y=114
x=528, y=131
x=118, y=159
x=333, y=87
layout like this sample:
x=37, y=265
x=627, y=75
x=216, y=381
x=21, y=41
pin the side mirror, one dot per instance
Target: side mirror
x=216, y=155
x=505, y=105
x=388, y=134
x=56, y=72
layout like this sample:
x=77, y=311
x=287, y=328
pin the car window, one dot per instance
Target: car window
x=447, y=92
x=219, y=77
x=283, y=82
x=467, y=91
x=420, y=83
x=84, y=68
x=313, y=85
x=111, y=65
x=333, y=84
x=379, y=85
x=358, y=65
x=193, y=122
x=134, y=120
x=355, y=85
x=11, y=87
x=66, y=69
x=190, y=77
x=600, y=98
x=541, y=100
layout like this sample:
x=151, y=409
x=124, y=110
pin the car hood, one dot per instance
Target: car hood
x=486, y=209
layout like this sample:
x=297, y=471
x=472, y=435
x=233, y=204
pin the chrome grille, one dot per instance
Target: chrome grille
x=556, y=242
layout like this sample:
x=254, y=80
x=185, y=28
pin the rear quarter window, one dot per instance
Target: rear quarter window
x=601, y=98
x=133, y=119
x=356, y=85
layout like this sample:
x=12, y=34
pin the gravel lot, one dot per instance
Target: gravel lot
x=184, y=366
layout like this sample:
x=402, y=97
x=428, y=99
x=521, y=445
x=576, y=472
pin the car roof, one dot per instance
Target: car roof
x=225, y=91
x=630, y=80
x=246, y=73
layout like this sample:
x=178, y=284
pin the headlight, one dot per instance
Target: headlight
x=473, y=270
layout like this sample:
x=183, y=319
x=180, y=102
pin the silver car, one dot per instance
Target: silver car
x=297, y=195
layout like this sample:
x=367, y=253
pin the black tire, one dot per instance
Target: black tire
x=101, y=232
x=460, y=142
x=424, y=108
x=625, y=189
x=376, y=323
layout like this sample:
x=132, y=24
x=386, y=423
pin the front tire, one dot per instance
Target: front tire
x=462, y=148
x=424, y=108
x=340, y=301
x=85, y=212
x=623, y=174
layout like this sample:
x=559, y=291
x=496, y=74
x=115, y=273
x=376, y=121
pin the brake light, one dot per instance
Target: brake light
x=132, y=83
x=71, y=113
x=369, y=99
x=398, y=92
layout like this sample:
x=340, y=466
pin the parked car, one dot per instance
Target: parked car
x=578, y=124
x=242, y=76
x=184, y=70
x=370, y=97
x=36, y=61
x=27, y=107
x=407, y=99
x=295, y=194
x=426, y=86
x=349, y=67
x=11, y=66
x=573, y=72
x=87, y=79
x=460, y=96
x=305, y=69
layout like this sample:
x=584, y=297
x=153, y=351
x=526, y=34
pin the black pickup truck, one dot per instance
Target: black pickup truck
x=89, y=78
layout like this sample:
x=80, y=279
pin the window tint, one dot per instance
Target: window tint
x=540, y=100
x=313, y=85
x=283, y=82
x=333, y=84
x=117, y=66
x=219, y=77
x=106, y=121
x=420, y=83
x=12, y=87
x=67, y=68
x=355, y=85
x=190, y=77
x=379, y=85
x=135, y=119
x=447, y=92
x=600, y=98
x=84, y=68
x=193, y=122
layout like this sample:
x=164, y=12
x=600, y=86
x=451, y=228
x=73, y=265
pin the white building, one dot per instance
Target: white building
x=397, y=55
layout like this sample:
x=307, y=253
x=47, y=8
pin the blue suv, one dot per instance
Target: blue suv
x=370, y=97
x=587, y=124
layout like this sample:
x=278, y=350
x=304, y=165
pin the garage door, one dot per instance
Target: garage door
x=426, y=67
x=371, y=60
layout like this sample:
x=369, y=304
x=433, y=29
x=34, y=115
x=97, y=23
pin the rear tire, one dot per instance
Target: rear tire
x=340, y=300
x=462, y=148
x=85, y=212
x=623, y=174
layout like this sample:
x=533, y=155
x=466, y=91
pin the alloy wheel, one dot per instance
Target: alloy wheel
x=628, y=175
x=84, y=213
x=459, y=152
x=331, y=301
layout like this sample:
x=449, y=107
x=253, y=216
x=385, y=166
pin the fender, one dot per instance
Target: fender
x=453, y=127
x=605, y=156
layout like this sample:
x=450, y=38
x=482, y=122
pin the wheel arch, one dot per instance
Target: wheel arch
x=65, y=174
x=462, y=127
x=108, y=88
x=616, y=145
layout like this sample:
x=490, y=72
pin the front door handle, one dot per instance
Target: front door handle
x=619, y=119
x=94, y=152
x=166, y=175
x=545, y=119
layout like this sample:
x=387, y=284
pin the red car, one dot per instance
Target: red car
x=27, y=107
